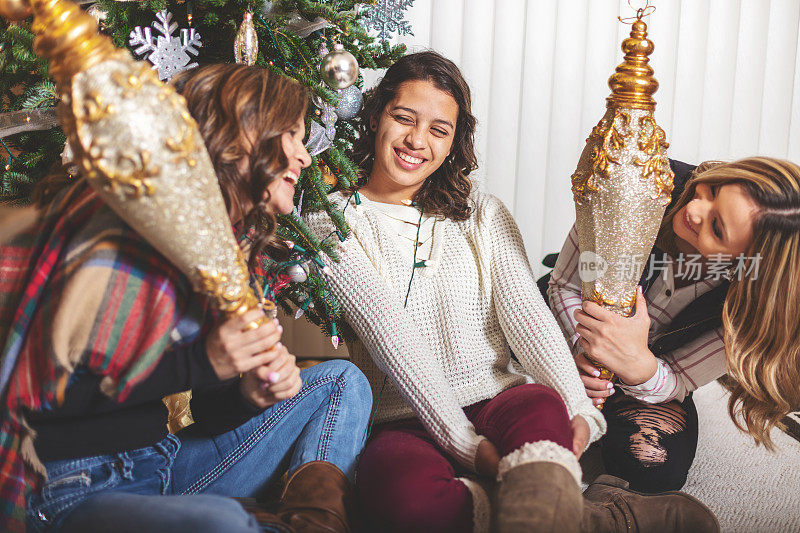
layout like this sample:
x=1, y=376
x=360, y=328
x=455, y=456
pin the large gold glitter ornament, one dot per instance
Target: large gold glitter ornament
x=14, y=9
x=622, y=184
x=245, y=45
x=140, y=149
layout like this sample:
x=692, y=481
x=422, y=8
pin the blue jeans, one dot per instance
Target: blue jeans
x=180, y=483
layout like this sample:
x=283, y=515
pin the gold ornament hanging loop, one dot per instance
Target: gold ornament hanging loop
x=641, y=12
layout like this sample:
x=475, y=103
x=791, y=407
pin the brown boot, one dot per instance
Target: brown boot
x=610, y=507
x=264, y=517
x=316, y=499
x=538, y=497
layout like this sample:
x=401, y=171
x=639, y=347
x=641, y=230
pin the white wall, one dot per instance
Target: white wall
x=728, y=69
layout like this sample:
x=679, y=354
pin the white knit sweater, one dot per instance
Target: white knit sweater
x=449, y=348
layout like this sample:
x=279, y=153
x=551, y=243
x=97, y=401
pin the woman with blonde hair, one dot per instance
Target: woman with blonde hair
x=720, y=293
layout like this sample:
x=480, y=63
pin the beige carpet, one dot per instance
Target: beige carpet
x=750, y=489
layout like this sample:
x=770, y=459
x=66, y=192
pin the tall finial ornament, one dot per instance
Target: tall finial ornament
x=623, y=182
x=140, y=149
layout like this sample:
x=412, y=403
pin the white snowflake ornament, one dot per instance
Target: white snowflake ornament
x=169, y=54
x=387, y=17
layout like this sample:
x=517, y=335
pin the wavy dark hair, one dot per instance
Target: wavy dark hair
x=242, y=112
x=446, y=191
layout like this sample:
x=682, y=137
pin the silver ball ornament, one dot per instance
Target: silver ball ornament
x=97, y=13
x=339, y=69
x=298, y=273
x=350, y=101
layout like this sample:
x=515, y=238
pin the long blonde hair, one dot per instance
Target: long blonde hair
x=761, y=316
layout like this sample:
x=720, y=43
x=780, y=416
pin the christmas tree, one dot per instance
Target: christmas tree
x=25, y=89
x=319, y=43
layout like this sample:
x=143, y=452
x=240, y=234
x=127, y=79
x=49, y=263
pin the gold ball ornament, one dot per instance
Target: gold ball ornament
x=339, y=68
x=15, y=9
x=328, y=176
x=245, y=45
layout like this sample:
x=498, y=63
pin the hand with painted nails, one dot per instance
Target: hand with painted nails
x=273, y=382
x=232, y=349
x=596, y=388
x=616, y=342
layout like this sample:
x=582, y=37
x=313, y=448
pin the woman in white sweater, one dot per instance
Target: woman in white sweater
x=435, y=283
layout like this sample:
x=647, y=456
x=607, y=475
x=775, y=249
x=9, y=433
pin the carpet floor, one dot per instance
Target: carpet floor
x=750, y=489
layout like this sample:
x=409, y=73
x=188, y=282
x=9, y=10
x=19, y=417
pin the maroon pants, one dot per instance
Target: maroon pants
x=408, y=483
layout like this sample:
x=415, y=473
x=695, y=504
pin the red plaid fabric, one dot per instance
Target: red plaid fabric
x=80, y=288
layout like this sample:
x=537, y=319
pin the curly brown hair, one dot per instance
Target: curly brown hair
x=445, y=192
x=242, y=112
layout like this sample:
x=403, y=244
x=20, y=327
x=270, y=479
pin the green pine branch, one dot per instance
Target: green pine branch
x=42, y=94
x=25, y=84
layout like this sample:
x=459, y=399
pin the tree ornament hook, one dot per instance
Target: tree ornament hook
x=641, y=12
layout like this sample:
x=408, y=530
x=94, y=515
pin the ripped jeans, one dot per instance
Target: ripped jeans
x=184, y=482
x=651, y=446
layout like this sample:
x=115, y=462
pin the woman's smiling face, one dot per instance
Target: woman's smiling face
x=718, y=220
x=281, y=189
x=413, y=136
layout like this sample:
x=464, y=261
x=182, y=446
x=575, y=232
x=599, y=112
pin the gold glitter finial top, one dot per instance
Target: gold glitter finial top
x=633, y=84
x=65, y=35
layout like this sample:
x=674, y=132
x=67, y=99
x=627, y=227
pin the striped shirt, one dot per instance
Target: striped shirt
x=679, y=372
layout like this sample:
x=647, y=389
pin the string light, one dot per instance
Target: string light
x=274, y=42
x=334, y=336
x=10, y=158
x=302, y=309
x=315, y=259
x=414, y=262
x=273, y=283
